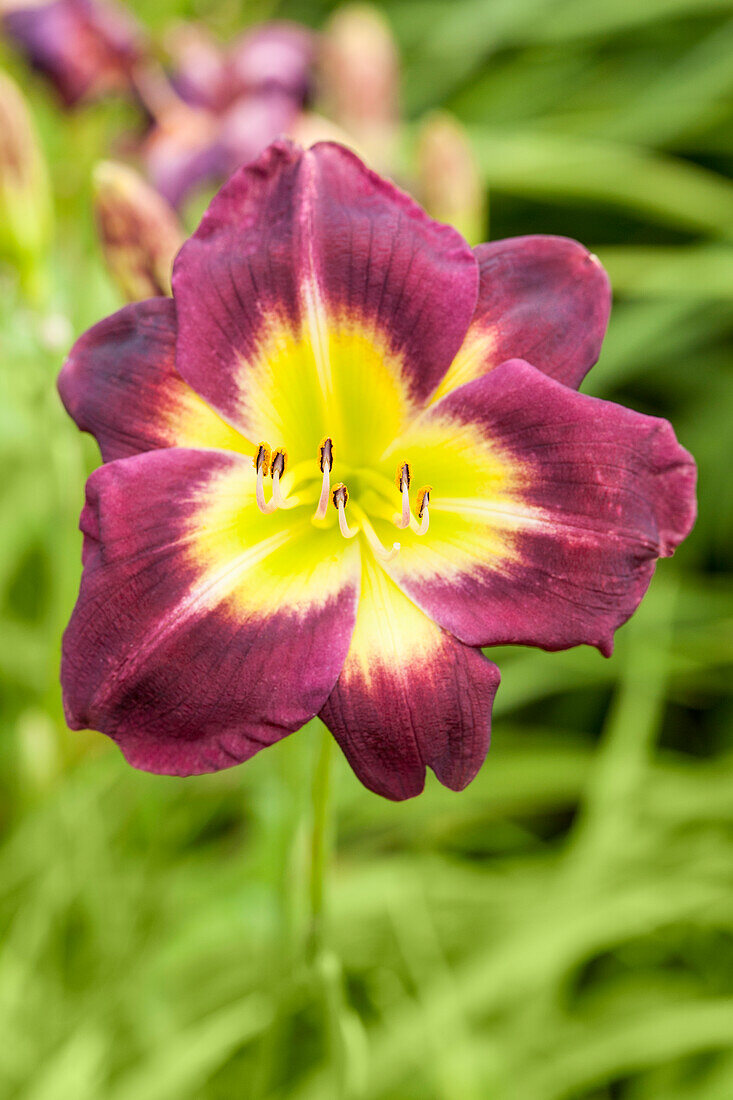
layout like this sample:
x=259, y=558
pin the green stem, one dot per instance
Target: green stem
x=326, y=966
x=320, y=841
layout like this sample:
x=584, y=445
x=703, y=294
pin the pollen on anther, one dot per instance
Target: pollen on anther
x=278, y=462
x=423, y=509
x=261, y=460
x=339, y=495
x=422, y=498
x=325, y=453
x=403, y=475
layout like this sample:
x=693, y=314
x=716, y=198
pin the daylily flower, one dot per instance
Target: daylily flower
x=275, y=56
x=347, y=454
x=225, y=106
x=86, y=48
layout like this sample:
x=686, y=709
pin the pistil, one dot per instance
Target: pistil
x=326, y=462
x=377, y=546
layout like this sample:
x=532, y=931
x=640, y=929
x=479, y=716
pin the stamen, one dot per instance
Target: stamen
x=403, y=484
x=423, y=508
x=325, y=460
x=340, y=496
x=262, y=466
x=262, y=459
x=277, y=469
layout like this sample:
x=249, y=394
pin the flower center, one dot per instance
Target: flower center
x=313, y=481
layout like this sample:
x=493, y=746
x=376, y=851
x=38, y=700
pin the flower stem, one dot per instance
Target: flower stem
x=320, y=842
x=325, y=963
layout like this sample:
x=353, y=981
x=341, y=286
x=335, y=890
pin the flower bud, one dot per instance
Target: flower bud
x=359, y=80
x=140, y=233
x=449, y=185
x=25, y=199
x=309, y=128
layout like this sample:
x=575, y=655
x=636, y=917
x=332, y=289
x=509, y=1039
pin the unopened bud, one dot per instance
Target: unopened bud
x=308, y=128
x=39, y=756
x=25, y=198
x=359, y=80
x=140, y=233
x=449, y=184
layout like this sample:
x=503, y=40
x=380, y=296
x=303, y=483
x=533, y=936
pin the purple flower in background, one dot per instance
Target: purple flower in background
x=323, y=327
x=86, y=48
x=230, y=104
x=274, y=57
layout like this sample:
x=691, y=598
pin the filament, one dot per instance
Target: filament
x=346, y=531
x=261, y=504
x=325, y=459
x=424, y=520
x=277, y=498
x=325, y=489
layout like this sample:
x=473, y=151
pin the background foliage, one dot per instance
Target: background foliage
x=564, y=928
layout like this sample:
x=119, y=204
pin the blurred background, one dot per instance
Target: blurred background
x=563, y=929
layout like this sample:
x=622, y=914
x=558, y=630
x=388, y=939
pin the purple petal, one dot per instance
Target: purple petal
x=409, y=696
x=542, y=299
x=568, y=503
x=120, y=384
x=300, y=243
x=195, y=641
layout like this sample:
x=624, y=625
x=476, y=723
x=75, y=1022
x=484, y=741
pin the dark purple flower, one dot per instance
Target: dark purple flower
x=231, y=592
x=86, y=48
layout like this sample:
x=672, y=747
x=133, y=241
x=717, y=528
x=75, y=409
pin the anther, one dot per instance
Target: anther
x=339, y=497
x=262, y=466
x=277, y=468
x=325, y=461
x=262, y=459
x=403, y=484
x=423, y=508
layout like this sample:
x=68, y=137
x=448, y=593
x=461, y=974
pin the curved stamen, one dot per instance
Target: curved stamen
x=340, y=497
x=262, y=466
x=403, y=484
x=423, y=508
x=277, y=469
x=325, y=459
